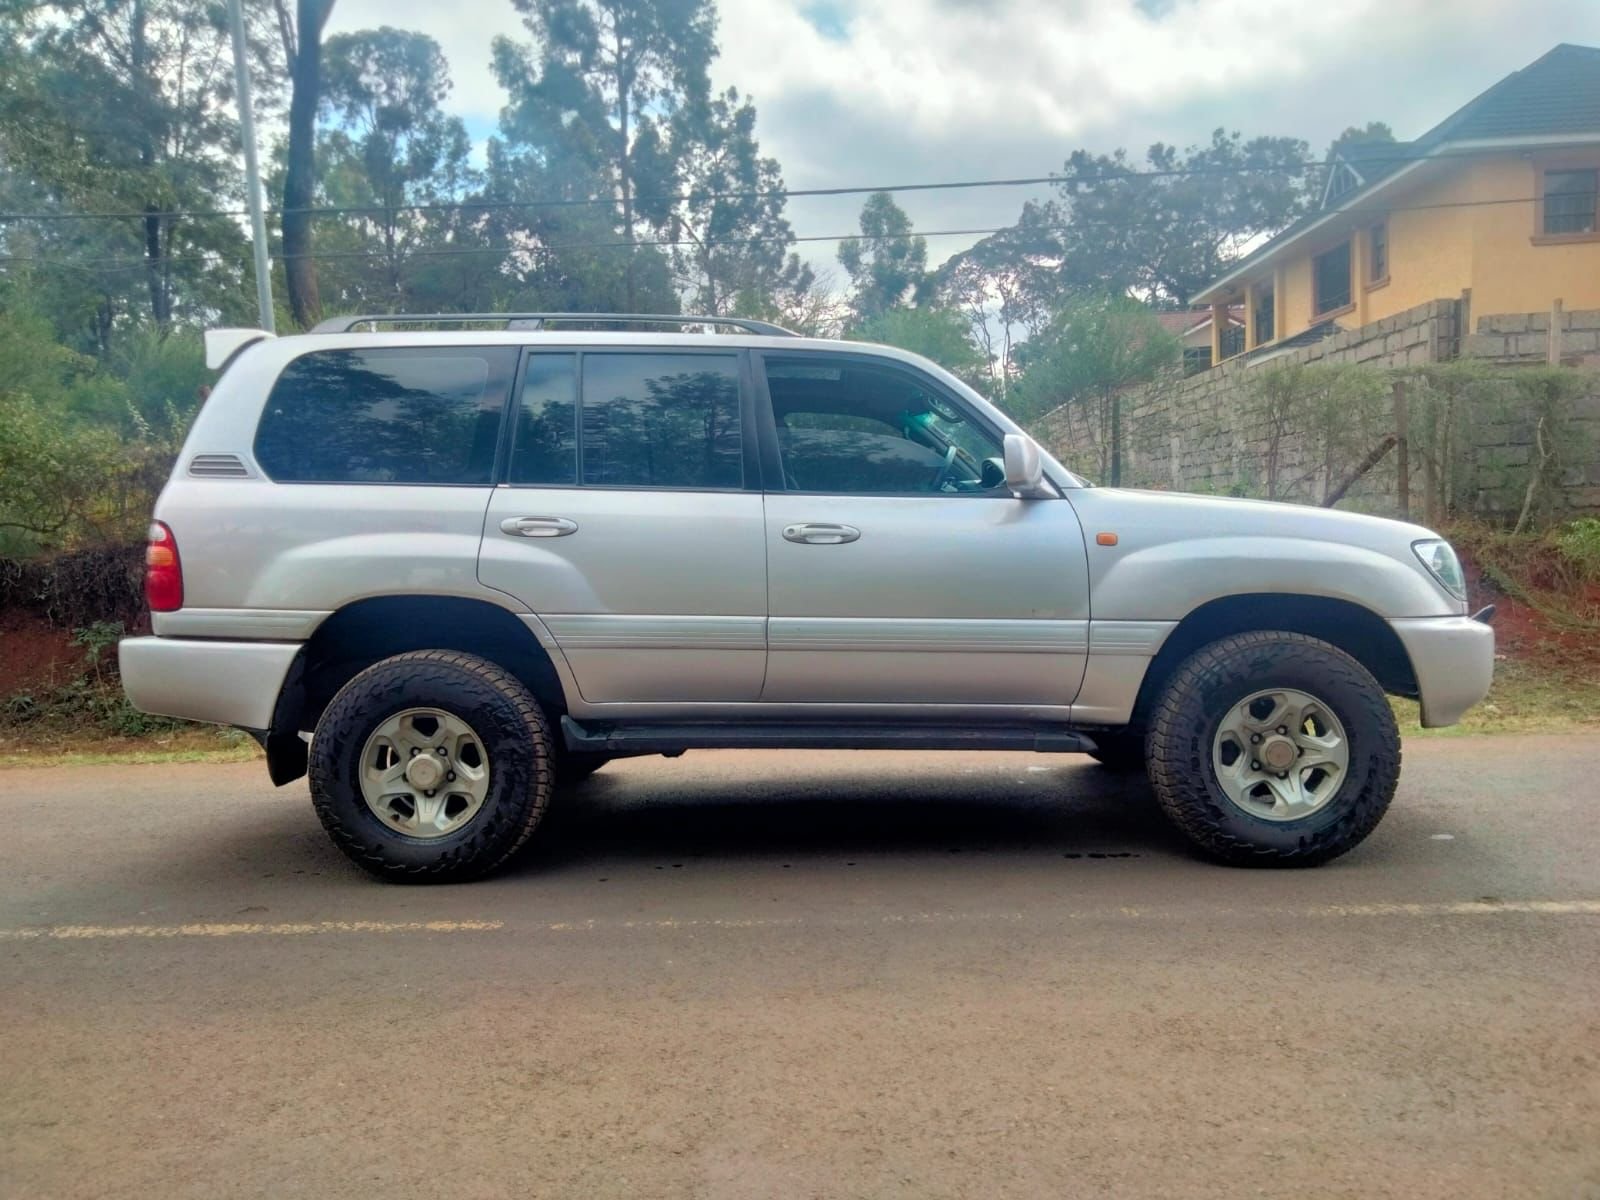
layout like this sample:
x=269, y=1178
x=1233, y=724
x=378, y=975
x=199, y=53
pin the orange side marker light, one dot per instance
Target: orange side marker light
x=1105, y=539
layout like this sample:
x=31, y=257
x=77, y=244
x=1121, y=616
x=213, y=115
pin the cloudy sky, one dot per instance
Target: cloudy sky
x=869, y=92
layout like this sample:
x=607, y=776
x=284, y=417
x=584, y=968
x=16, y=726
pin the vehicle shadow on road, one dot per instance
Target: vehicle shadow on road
x=1072, y=811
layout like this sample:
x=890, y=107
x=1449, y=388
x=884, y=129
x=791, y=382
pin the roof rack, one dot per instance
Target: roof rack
x=538, y=320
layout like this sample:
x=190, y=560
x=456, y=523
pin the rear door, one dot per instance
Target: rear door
x=630, y=521
x=900, y=569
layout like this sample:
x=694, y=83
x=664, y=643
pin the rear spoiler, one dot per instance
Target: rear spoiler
x=223, y=345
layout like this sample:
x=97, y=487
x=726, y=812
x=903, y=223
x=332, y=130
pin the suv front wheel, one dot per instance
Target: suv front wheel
x=1274, y=749
x=431, y=766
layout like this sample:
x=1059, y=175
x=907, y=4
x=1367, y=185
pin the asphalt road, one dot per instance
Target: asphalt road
x=790, y=975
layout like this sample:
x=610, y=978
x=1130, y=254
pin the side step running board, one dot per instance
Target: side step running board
x=616, y=738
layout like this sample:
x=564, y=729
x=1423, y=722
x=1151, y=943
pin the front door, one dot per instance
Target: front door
x=900, y=569
x=630, y=523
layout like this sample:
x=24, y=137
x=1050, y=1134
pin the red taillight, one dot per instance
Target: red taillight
x=163, y=573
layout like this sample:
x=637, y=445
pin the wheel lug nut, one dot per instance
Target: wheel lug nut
x=451, y=776
x=1254, y=765
x=1283, y=729
x=414, y=752
x=1281, y=775
x=430, y=791
x=443, y=753
x=1255, y=739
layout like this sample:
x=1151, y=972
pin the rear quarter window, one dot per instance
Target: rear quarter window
x=400, y=415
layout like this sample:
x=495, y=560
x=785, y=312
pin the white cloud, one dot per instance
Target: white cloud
x=936, y=89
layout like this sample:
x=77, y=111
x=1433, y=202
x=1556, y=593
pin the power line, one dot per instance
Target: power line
x=485, y=206
x=113, y=264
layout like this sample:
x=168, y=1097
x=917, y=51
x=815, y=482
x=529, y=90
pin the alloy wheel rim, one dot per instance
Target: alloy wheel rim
x=424, y=773
x=1280, y=754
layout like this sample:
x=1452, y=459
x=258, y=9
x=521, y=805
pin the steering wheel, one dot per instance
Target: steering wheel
x=943, y=473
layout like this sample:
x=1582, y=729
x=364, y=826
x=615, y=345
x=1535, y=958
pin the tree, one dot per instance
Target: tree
x=301, y=35
x=1164, y=230
x=887, y=264
x=725, y=199
x=1085, y=357
x=1007, y=286
x=1374, y=133
x=935, y=333
x=597, y=88
x=391, y=149
x=127, y=106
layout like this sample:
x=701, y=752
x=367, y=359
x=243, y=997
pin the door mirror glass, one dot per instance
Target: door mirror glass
x=1024, y=468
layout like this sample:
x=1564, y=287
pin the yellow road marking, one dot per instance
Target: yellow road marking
x=70, y=933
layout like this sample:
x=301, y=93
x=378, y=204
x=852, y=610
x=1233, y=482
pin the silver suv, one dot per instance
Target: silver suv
x=447, y=570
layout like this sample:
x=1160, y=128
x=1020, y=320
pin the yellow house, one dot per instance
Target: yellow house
x=1502, y=198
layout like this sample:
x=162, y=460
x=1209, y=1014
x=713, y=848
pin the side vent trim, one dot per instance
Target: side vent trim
x=218, y=466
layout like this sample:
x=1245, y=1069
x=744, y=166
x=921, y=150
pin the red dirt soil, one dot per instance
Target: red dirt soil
x=34, y=656
x=1523, y=633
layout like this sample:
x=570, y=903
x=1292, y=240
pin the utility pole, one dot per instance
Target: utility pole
x=252, y=170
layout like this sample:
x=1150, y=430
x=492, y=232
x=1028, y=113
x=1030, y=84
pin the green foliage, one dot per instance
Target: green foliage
x=888, y=263
x=729, y=208
x=1166, y=227
x=934, y=333
x=1316, y=422
x=1080, y=364
x=390, y=146
x=126, y=108
x=84, y=452
x=1580, y=542
x=1496, y=440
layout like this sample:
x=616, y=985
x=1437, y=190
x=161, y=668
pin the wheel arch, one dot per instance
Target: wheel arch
x=364, y=632
x=1358, y=631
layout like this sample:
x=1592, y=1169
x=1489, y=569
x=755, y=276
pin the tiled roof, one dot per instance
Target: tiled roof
x=1558, y=93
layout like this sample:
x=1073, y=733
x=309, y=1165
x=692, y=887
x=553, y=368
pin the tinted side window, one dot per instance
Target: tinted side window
x=419, y=415
x=546, y=446
x=661, y=420
x=847, y=427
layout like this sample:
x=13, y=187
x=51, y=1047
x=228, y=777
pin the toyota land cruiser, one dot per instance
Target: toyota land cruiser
x=446, y=563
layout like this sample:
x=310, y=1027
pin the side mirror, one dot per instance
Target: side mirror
x=1024, y=468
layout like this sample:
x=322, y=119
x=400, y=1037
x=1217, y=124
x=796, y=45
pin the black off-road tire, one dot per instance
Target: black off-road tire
x=1122, y=751
x=1197, y=699
x=505, y=717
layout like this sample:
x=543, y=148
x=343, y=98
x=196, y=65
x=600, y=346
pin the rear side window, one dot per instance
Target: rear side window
x=405, y=415
x=661, y=420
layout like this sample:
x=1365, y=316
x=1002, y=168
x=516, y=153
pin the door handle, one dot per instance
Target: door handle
x=538, y=526
x=820, y=534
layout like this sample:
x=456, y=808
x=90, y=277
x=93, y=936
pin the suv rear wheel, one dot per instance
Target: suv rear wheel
x=432, y=766
x=1274, y=749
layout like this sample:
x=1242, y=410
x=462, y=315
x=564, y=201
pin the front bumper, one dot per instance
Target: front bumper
x=228, y=683
x=1453, y=660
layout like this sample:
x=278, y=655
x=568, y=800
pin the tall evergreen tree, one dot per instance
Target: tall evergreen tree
x=888, y=263
x=595, y=91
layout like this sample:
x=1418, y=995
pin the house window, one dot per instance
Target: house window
x=1378, y=258
x=1232, y=340
x=1264, y=307
x=1569, y=201
x=1196, y=359
x=1331, y=279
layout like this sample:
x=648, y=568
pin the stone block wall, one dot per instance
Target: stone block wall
x=1207, y=433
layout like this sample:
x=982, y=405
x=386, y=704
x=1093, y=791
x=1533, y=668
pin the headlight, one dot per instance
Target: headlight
x=1443, y=565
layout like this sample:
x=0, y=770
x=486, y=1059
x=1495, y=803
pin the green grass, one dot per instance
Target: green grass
x=187, y=744
x=1525, y=698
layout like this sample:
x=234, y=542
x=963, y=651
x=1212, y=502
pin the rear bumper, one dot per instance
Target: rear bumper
x=1453, y=660
x=228, y=683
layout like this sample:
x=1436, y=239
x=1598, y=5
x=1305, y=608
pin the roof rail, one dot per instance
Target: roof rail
x=538, y=320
